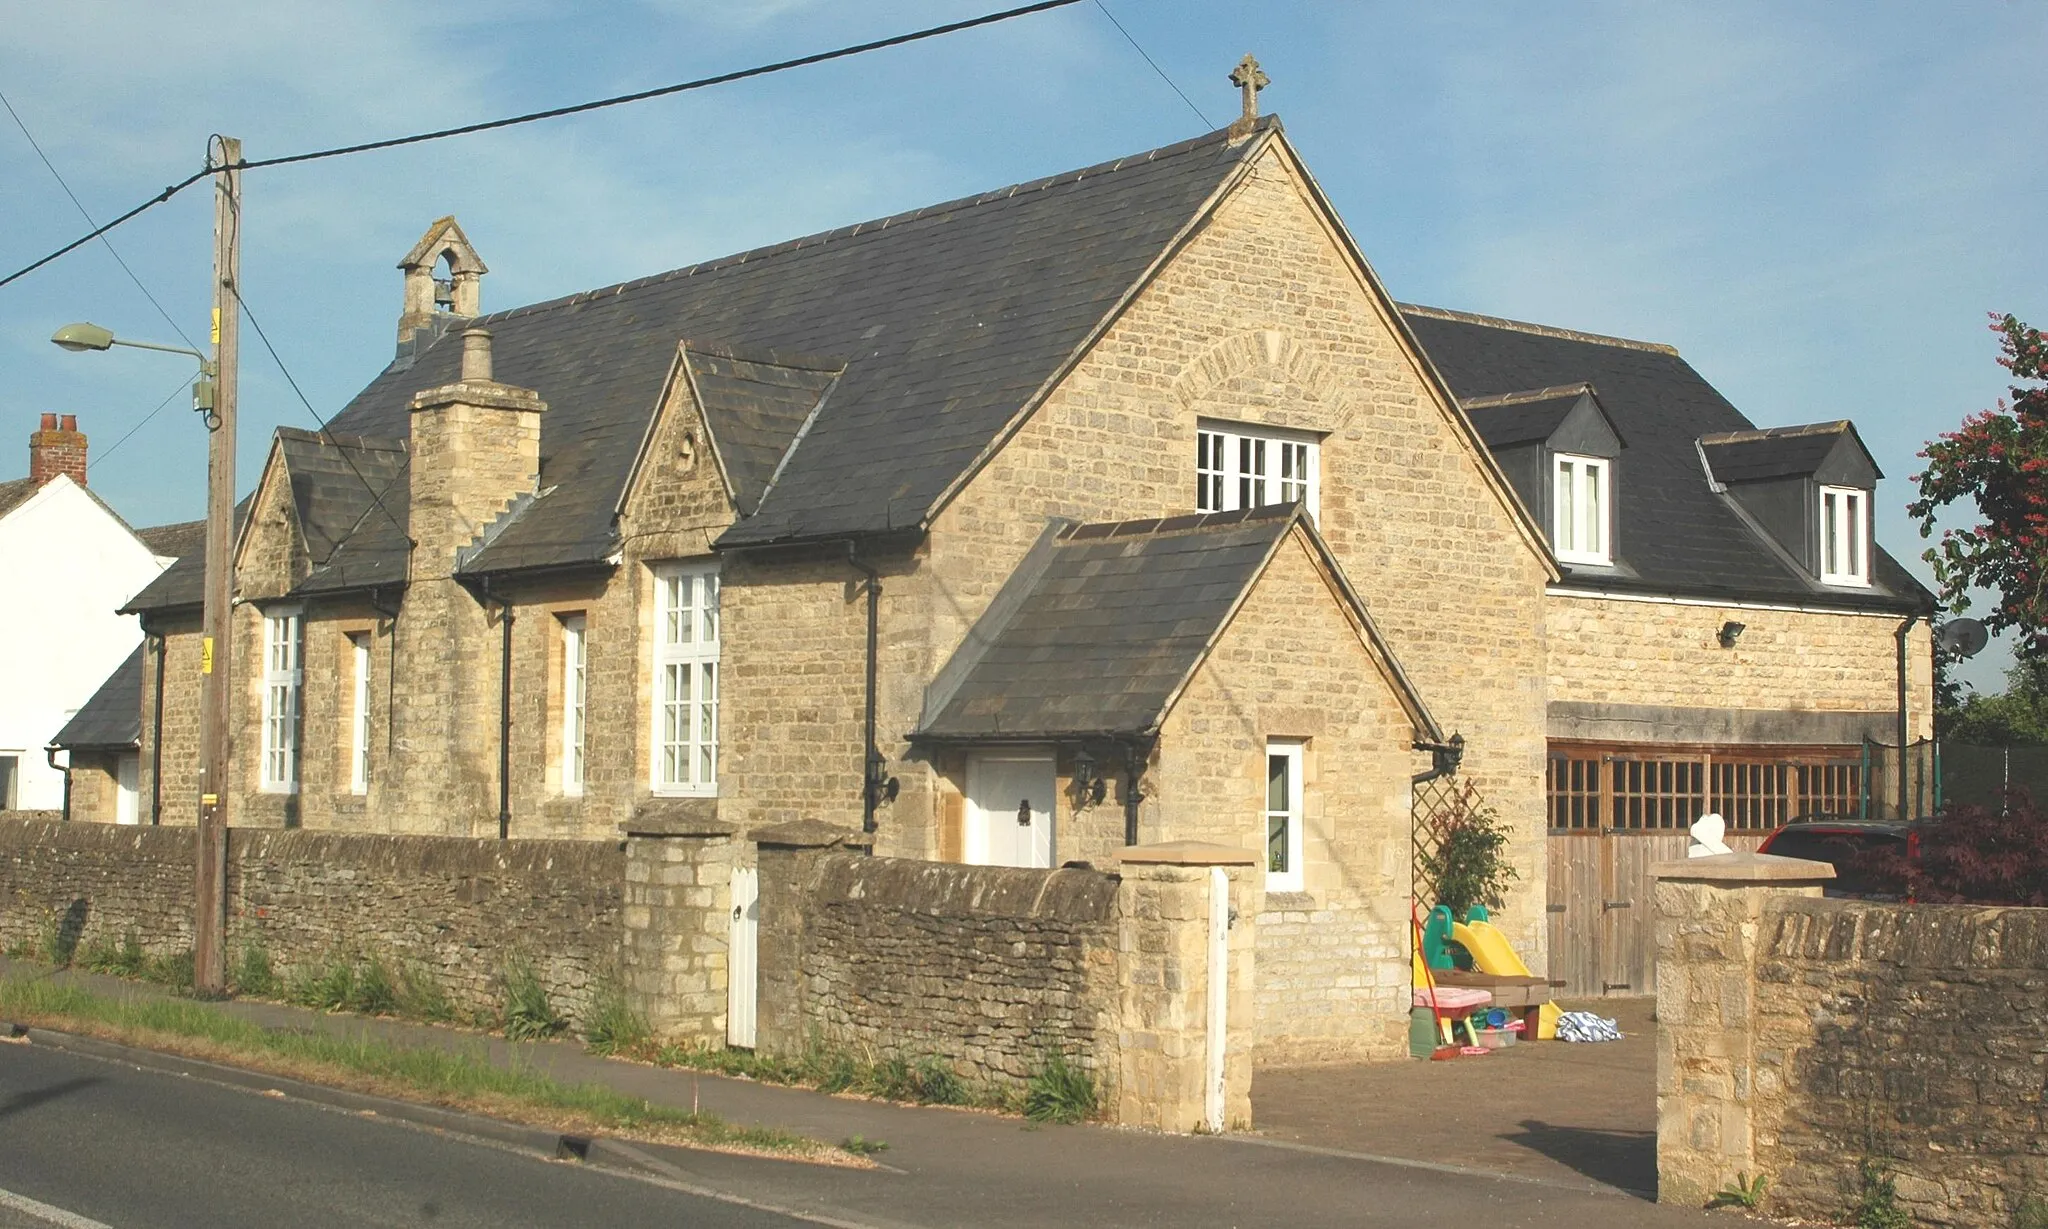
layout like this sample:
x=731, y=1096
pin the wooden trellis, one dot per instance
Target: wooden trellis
x=1436, y=806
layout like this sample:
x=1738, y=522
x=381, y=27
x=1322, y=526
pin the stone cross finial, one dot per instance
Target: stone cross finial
x=1247, y=78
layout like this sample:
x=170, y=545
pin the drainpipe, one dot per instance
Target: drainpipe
x=1905, y=628
x=1444, y=759
x=876, y=784
x=504, y=711
x=50, y=758
x=390, y=674
x=156, y=741
x=1134, y=771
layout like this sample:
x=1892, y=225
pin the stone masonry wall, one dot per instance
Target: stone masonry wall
x=1261, y=319
x=1913, y=1034
x=990, y=968
x=455, y=906
x=1606, y=651
x=1800, y=1037
x=1333, y=958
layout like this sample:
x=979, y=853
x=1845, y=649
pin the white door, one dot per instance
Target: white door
x=1010, y=804
x=127, y=774
x=742, y=967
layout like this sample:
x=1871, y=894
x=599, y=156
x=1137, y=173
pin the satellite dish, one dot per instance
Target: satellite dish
x=1963, y=637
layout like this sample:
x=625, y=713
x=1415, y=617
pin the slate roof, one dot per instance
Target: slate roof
x=1676, y=535
x=176, y=540
x=948, y=320
x=1527, y=418
x=112, y=718
x=15, y=492
x=1775, y=452
x=755, y=404
x=351, y=496
x=1110, y=624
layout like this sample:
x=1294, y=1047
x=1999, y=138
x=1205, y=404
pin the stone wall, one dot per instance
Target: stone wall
x=993, y=970
x=1800, y=1037
x=1632, y=656
x=455, y=906
x=989, y=968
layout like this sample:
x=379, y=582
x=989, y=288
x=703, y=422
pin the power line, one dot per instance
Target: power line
x=143, y=423
x=1149, y=60
x=376, y=496
x=556, y=113
x=82, y=212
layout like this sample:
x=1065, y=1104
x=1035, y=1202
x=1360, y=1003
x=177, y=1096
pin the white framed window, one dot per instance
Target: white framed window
x=1578, y=528
x=575, y=679
x=1844, y=536
x=359, y=715
x=686, y=679
x=283, y=677
x=1283, y=817
x=1241, y=466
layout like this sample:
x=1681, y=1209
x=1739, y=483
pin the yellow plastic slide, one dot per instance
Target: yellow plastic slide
x=1491, y=953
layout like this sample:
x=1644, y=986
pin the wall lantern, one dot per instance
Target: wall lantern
x=1088, y=779
x=1731, y=631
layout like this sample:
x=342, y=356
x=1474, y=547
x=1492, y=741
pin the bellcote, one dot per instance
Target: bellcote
x=443, y=285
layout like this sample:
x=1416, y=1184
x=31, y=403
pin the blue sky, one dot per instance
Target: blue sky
x=1816, y=202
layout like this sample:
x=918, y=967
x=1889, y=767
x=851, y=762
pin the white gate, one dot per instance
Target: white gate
x=742, y=969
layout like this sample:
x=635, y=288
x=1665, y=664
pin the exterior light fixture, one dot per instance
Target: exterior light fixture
x=1731, y=631
x=1088, y=779
x=81, y=337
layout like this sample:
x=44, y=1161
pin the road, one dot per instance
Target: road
x=106, y=1142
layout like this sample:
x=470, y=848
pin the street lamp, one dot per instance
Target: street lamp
x=82, y=337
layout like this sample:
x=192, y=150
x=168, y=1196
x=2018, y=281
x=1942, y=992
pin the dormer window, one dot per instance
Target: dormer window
x=1242, y=466
x=1580, y=502
x=1844, y=538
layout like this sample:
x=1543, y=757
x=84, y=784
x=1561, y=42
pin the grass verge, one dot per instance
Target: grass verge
x=457, y=1079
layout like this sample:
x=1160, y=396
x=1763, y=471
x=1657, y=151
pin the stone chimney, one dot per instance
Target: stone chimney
x=443, y=285
x=475, y=448
x=57, y=448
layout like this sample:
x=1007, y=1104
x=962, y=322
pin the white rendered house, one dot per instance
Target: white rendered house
x=67, y=563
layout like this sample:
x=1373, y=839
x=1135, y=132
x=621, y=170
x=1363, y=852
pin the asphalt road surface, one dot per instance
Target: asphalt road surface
x=87, y=1141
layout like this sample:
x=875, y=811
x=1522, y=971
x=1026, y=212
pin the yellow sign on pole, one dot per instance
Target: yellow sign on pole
x=206, y=655
x=216, y=326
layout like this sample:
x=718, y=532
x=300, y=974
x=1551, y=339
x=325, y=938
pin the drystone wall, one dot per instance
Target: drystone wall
x=1819, y=1042
x=455, y=907
x=1915, y=1036
x=990, y=968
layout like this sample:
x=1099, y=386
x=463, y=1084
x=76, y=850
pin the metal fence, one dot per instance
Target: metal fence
x=1973, y=775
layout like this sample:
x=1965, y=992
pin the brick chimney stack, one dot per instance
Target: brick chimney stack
x=58, y=448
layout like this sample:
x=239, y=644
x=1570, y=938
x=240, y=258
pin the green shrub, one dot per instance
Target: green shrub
x=371, y=991
x=421, y=995
x=1059, y=1092
x=1878, y=1207
x=326, y=985
x=1745, y=1192
x=126, y=960
x=614, y=1027
x=862, y=1146
x=2031, y=1214
x=528, y=1014
x=174, y=970
x=253, y=975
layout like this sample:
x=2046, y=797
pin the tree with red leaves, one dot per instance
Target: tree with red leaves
x=1999, y=458
x=1972, y=856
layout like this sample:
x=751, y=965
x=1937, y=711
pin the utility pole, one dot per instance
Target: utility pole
x=209, y=917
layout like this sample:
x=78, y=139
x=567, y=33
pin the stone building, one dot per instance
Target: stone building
x=1123, y=506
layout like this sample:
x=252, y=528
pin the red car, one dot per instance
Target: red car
x=1848, y=845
